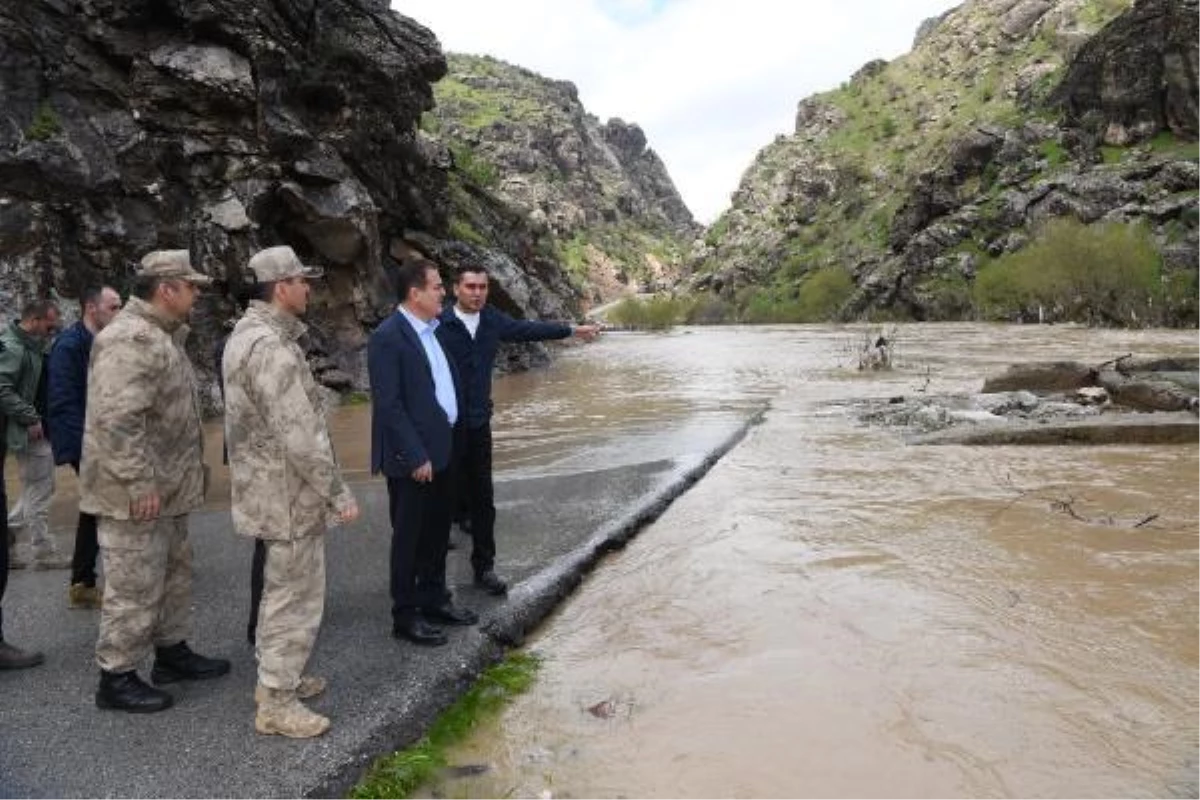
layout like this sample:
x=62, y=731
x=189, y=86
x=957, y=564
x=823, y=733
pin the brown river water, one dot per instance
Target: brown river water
x=830, y=612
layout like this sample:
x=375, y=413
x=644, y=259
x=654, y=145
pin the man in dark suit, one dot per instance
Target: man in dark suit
x=67, y=370
x=415, y=400
x=470, y=332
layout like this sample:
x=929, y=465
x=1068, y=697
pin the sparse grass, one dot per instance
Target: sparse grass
x=623, y=243
x=1168, y=144
x=45, y=123
x=1053, y=152
x=477, y=108
x=399, y=774
x=461, y=229
x=356, y=398
x=473, y=166
x=716, y=231
x=1111, y=154
x=1098, y=13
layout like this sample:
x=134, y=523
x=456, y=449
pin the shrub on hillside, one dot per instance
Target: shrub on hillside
x=656, y=314
x=1105, y=274
x=818, y=299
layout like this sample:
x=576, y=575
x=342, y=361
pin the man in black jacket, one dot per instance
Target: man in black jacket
x=470, y=332
x=66, y=409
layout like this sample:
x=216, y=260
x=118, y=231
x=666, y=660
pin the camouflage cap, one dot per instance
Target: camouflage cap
x=280, y=263
x=171, y=264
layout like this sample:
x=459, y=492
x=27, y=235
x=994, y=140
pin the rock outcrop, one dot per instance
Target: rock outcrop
x=130, y=125
x=595, y=188
x=225, y=127
x=1138, y=76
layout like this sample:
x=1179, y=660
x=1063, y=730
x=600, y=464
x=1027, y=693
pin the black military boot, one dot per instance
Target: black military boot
x=179, y=663
x=125, y=691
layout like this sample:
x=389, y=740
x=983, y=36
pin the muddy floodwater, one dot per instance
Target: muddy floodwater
x=831, y=612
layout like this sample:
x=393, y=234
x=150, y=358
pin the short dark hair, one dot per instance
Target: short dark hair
x=475, y=268
x=37, y=309
x=91, y=294
x=264, y=291
x=410, y=274
x=144, y=286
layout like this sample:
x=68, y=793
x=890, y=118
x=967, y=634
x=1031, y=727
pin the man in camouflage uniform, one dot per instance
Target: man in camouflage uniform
x=142, y=473
x=287, y=487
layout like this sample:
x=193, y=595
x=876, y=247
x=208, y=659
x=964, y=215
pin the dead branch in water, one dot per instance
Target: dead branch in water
x=1067, y=504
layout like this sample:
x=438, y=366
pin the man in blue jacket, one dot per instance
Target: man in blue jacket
x=66, y=409
x=470, y=332
x=415, y=403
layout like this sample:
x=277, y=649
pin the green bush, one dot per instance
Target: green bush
x=1105, y=274
x=708, y=309
x=824, y=292
x=817, y=299
x=656, y=313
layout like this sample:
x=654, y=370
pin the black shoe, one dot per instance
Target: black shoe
x=16, y=658
x=179, y=663
x=449, y=614
x=125, y=691
x=490, y=582
x=418, y=631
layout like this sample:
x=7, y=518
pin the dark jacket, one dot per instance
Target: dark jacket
x=22, y=360
x=67, y=398
x=408, y=427
x=476, y=358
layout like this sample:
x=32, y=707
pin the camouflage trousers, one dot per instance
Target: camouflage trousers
x=147, y=589
x=293, y=603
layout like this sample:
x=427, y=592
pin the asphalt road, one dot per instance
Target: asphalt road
x=552, y=529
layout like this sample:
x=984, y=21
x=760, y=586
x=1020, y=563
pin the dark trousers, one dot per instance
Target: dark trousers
x=477, y=495
x=258, y=564
x=4, y=537
x=420, y=515
x=87, y=546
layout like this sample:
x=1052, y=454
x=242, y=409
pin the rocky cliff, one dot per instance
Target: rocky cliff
x=224, y=127
x=1005, y=113
x=221, y=126
x=596, y=189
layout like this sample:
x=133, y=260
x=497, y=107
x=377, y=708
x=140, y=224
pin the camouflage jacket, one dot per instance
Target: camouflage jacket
x=142, y=431
x=285, y=480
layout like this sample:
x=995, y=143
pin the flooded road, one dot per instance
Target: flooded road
x=830, y=612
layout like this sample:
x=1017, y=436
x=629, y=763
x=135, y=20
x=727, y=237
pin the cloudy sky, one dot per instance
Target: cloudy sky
x=711, y=82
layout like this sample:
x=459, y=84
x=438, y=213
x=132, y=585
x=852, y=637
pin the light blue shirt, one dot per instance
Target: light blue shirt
x=443, y=381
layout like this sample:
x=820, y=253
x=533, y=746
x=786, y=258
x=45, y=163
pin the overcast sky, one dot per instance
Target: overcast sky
x=711, y=82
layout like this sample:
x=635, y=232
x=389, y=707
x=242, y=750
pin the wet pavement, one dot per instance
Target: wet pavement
x=552, y=528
